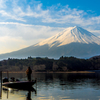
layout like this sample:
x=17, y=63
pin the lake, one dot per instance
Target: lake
x=57, y=86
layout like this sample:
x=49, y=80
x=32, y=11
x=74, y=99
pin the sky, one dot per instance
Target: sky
x=26, y=22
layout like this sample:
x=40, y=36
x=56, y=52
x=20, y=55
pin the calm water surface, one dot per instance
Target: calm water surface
x=57, y=87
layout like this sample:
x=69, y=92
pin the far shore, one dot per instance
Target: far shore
x=51, y=72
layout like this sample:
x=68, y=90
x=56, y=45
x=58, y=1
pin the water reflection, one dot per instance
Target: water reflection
x=29, y=96
x=71, y=80
x=13, y=91
x=60, y=86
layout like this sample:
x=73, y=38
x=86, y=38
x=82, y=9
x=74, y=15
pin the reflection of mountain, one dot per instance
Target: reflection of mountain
x=74, y=41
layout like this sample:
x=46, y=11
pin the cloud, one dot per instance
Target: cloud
x=25, y=24
x=95, y=32
x=74, y=16
x=19, y=13
x=15, y=29
x=15, y=36
x=58, y=14
x=65, y=15
x=2, y=3
x=9, y=44
x=96, y=19
x=36, y=12
x=10, y=16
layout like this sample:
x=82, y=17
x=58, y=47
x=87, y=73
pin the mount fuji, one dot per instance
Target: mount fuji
x=73, y=41
x=71, y=35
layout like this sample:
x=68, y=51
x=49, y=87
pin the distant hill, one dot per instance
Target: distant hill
x=95, y=57
x=63, y=64
x=73, y=41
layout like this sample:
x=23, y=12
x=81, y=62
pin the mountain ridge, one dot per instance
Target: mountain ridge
x=69, y=35
x=73, y=41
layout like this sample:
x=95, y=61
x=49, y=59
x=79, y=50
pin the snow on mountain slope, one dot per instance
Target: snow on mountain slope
x=70, y=35
x=73, y=41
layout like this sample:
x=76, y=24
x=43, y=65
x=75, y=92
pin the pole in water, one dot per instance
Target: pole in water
x=1, y=84
x=8, y=75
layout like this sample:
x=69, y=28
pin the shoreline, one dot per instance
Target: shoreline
x=52, y=72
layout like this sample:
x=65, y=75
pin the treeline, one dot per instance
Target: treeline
x=46, y=64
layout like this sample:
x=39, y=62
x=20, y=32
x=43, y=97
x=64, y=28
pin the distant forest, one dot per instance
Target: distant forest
x=39, y=64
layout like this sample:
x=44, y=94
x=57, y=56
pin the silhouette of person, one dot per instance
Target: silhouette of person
x=28, y=73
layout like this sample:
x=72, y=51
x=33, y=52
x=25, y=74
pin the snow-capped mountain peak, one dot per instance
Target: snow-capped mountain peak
x=71, y=35
x=73, y=41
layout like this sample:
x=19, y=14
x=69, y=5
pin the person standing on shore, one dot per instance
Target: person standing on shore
x=28, y=73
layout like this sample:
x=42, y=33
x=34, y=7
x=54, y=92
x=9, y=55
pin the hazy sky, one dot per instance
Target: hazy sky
x=27, y=22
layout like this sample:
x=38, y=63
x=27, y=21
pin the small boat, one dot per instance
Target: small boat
x=19, y=84
x=20, y=88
